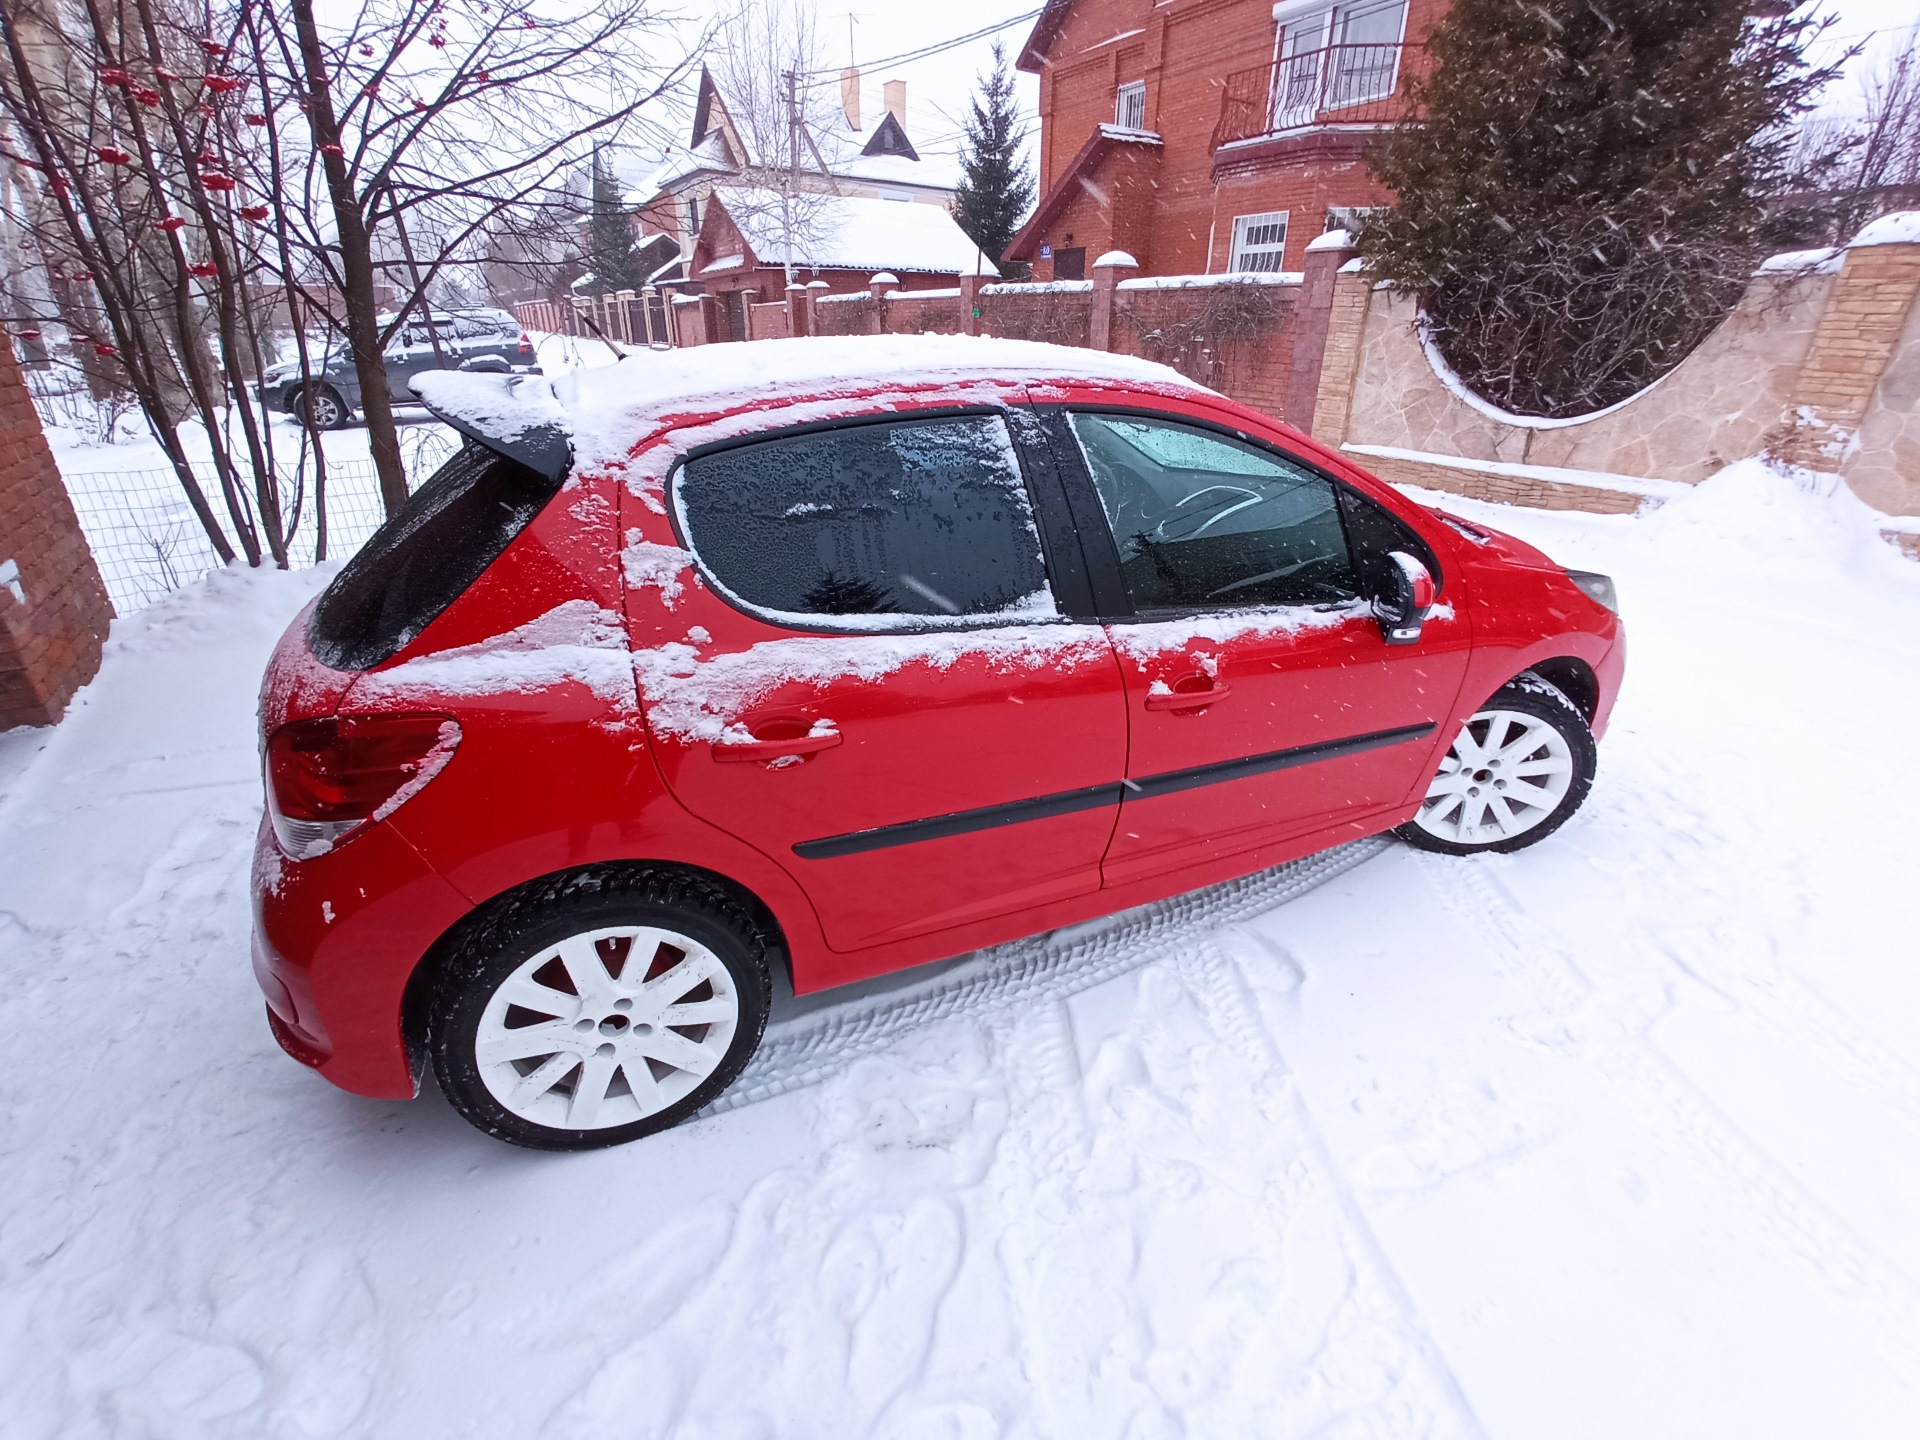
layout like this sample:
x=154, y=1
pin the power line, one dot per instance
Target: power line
x=925, y=51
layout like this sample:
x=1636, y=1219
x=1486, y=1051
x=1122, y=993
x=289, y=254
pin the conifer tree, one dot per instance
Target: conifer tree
x=995, y=189
x=1586, y=195
x=610, y=256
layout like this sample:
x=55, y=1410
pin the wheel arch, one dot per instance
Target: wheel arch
x=1572, y=677
x=416, y=1003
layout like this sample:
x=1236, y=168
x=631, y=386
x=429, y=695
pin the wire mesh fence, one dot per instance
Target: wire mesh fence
x=148, y=543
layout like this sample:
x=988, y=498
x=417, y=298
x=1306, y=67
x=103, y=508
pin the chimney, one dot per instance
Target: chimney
x=850, y=95
x=897, y=101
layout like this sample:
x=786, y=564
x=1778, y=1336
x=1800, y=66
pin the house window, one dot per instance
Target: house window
x=906, y=195
x=693, y=219
x=1259, y=242
x=1332, y=57
x=1352, y=217
x=1130, y=106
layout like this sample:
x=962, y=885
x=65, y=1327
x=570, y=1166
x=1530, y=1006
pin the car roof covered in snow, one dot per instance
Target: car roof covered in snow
x=601, y=414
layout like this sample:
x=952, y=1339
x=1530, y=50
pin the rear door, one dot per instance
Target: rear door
x=1263, y=702
x=866, y=672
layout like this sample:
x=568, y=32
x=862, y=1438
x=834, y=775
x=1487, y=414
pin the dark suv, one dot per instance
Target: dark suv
x=444, y=340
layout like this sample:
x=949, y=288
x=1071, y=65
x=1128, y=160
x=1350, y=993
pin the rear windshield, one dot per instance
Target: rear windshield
x=418, y=563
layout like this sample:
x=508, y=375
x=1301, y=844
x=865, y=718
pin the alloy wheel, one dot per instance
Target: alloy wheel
x=1507, y=772
x=606, y=1027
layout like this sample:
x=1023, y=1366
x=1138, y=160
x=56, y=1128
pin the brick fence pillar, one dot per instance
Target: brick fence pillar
x=54, y=611
x=1326, y=254
x=799, y=310
x=878, y=287
x=1106, y=287
x=1340, y=354
x=969, y=304
x=1859, y=329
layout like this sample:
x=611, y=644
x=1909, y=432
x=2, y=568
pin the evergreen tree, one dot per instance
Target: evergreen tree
x=610, y=251
x=995, y=190
x=1586, y=196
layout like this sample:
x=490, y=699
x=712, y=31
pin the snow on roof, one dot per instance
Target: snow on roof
x=611, y=408
x=1126, y=132
x=850, y=233
x=1116, y=260
x=1332, y=240
x=1901, y=228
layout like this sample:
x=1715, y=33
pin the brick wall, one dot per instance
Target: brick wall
x=50, y=645
x=1179, y=220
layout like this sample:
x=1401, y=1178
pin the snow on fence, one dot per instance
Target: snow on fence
x=148, y=543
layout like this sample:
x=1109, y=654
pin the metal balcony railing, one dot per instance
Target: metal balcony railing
x=1334, y=85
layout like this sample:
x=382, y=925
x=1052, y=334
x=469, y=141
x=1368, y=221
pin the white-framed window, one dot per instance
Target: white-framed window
x=1259, y=242
x=1130, y=106
x=1352, y=217
x=1333, y=56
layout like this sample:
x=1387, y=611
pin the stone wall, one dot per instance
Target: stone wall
x=54, y=611
x=1714, y=408
x=1819, y=364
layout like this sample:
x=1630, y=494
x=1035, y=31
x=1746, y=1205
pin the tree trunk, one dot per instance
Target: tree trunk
x=356, y=268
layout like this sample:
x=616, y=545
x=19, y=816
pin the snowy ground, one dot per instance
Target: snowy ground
x=1616, y=1137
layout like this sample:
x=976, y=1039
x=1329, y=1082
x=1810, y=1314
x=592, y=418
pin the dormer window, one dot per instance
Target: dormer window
x=1130, y=106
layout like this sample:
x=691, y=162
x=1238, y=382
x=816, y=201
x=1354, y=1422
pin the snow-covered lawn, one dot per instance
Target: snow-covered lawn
x=1616, y=1137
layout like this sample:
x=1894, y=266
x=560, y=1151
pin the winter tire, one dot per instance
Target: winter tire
x=1522, y=764
x=321, y=408
x=599, y=1007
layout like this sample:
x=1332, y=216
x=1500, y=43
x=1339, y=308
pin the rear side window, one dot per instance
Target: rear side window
x=1204, y=522
x=879, y=522
x=418, y=563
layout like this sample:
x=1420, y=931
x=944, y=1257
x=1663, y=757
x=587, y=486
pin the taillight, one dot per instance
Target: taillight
x=526, y=345
x=327, y=778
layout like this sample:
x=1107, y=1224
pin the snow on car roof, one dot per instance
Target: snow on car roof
x=611, y=408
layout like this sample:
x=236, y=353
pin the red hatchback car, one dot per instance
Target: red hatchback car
x=850, y=655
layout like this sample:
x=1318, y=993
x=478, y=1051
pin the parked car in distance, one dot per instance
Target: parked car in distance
x=846, y=655
x=443, y=340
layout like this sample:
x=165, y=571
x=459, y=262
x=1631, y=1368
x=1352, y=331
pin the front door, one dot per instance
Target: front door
x=1263, y=702
x=870, y=680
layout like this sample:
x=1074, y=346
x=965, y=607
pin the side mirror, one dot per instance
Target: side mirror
x=1403, y=597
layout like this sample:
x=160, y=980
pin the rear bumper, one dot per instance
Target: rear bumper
x=335, y=941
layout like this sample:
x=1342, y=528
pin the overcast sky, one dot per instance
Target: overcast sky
x=940, y=87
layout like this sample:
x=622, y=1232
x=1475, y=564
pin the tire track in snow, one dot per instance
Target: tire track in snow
x=1825, y=1242
x=807, y=1050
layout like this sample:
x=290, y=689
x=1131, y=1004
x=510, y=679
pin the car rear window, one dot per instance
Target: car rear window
x=418, y=563
x=879, y=521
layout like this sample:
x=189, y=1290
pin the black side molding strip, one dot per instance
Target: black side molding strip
x=961, y=822
x=1067, y=802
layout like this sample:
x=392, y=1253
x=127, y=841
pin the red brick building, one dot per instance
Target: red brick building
x=1204, y=136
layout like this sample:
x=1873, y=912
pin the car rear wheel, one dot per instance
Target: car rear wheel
x=1519, y=768
x=321, y=408
x=600, y=1007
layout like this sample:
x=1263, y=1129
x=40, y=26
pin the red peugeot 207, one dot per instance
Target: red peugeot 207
x=849, y=655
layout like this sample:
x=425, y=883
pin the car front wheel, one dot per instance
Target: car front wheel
x=1519, y=768
x=600, y=1007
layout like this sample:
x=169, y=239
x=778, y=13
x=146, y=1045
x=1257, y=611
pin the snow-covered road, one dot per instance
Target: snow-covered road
x=1616, y=1137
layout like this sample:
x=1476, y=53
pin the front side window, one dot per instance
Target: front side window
x=1130, y=106
x=1205, y=522
x=892, y=524
x=1259, y=243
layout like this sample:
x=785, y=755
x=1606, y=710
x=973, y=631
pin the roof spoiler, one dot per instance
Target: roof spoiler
x=513, y=415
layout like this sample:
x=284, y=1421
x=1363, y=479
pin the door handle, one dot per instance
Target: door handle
x=1179, y=700
x=775, y=749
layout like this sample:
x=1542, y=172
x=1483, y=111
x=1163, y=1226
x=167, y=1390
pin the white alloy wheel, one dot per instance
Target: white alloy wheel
x=1506, y=773
x=606, y=1027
